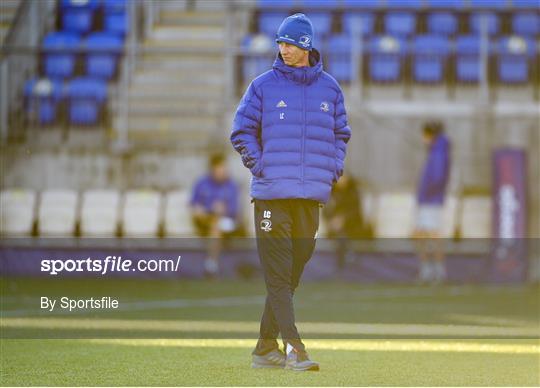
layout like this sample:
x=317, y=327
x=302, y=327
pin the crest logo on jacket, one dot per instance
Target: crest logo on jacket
x=281, y=104
x=325, y=107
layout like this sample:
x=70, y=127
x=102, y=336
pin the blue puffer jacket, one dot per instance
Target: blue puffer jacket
x=434, y=179
x=291, y=131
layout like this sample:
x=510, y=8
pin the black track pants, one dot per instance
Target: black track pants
x=285, y=230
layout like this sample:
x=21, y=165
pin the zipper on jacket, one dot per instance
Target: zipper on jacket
x=303, y=135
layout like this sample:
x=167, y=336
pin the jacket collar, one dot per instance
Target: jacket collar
x=304, y=74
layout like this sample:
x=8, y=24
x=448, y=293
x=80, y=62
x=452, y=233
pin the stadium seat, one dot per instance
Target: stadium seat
x=415, y=4
x=258, y=58
x=532, y=4
x=177, y=214
x=362, y=4
x=308, y=5
x=514, y=53
x=114, y=6
x=57, y=215
x=322, y=23
x=339, y=57
x=448, y=4
x=116, y=23
x=102, y=58
x=18, y=212
x=430, y=55
x=60, y=64
x=366, y=21
x=400, y=23
x=42, y=96
x=493, y=23
x=444, y=23
x=468, y=58
x=86, y=97
x=475, y=217
x=78, y=15
x=115, y=16
x=100, y=211
x=269, y=22
x=141, y=213
x=489, y=4
x=395, y=215
x=527, y=24
x=386, y=57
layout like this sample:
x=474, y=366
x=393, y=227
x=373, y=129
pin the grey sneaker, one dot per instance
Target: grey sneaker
x=299, y=361
x=273, y=359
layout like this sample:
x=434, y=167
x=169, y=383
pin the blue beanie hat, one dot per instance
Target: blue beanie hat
x=298, y=30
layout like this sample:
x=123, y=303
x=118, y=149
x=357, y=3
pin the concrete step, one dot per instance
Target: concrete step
x=178, y=34
x=173, y=123
x=184, y=92
x=191, y=18
x=166, y=107
x=181, y=62
x=157, y=138
x=177, y=79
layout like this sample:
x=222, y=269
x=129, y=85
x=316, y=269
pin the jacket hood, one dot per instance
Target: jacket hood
x=304, y=74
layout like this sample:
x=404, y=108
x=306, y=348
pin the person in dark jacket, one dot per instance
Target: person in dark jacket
x=214, y=208
x=430, y=201
x=343, y=216
x=291, y=131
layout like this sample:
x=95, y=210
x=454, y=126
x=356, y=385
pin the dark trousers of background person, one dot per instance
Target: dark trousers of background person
x=285, y=230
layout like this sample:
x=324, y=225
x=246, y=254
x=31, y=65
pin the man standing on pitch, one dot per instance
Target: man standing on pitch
x=291, y=131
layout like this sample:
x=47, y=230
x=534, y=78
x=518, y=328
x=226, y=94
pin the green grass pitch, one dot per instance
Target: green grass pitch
x=361, y=335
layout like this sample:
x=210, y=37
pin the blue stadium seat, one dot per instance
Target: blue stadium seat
x=514, y=54
x=78, y=15
x=60, y=64
x=493, y=23
x=41, y=100
x=338, y=50
x=468, y=58
x=86, y=96
x=444, y=23
x=524, y=23
x=116, y=23
x=115, y=16
x=400, y=23
x=93, y=4
x=490, y=4
x=259, y=55
x=269, y=22
x=115, y=6
x=386, y=58
x=307, y=5
x=103, y=63
x=430, y=56
x=275, y=3
x=322, y=22
x=532, y=4
x=415, y=4
x=366, y=20
x=450, y=4
x=364, y=4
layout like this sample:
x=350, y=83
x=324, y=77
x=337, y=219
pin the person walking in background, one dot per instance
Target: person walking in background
x=214, y=208
x=430, y=200
x=291, y=131
x=343, y=216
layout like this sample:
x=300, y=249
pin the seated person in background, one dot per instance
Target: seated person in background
x=214, y=206
x=343, y=215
